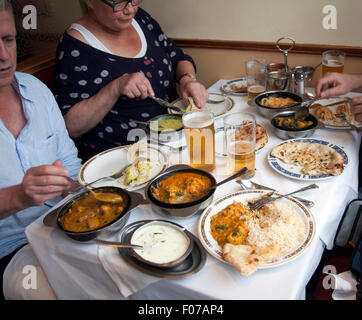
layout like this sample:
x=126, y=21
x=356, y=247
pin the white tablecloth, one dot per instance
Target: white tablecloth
x=75, y=271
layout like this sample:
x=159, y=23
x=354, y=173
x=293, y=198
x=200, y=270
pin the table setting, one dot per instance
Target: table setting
x=285, y=238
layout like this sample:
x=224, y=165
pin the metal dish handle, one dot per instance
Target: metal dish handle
x=285, y=51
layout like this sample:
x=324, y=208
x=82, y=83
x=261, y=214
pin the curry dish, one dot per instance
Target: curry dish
x=275, y=103
x=181, y=188
x=230, y=224
x=292, y=123
x=88, y=213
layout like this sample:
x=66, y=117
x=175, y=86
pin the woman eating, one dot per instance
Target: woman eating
x=108, y=65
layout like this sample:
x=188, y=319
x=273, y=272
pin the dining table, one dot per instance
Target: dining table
x=86, y=270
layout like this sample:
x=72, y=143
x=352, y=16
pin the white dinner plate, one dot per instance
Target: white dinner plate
x=234, y=86
x=218, y=109
x=215, y=250
x=294, y=172
x=110, y=161
x=338, y=123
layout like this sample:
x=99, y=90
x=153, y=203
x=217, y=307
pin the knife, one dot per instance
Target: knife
x=166, y=104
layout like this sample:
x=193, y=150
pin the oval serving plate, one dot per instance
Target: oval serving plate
x=218, y=109
x=110, y=161
x=237, y=87
x=294, y=172
x=338, y=123
x=215, y=250
x=191, y=265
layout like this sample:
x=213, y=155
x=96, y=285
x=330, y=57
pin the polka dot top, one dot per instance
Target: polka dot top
x=82, y=70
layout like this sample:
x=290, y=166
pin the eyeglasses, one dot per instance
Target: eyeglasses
x=118, y=6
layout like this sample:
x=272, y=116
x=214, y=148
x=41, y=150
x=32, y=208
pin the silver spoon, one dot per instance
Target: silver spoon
x=235, y=175
x=302, y=113
x=116, y=244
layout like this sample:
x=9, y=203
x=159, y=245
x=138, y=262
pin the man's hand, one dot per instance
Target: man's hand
x=43, y=183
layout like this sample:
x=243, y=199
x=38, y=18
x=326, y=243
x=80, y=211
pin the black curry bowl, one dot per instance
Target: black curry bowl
x=293, y=133
x=131, y=201
x=270, y=112
x=179, y=210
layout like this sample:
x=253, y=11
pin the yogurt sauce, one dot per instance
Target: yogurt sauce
x=161, y=243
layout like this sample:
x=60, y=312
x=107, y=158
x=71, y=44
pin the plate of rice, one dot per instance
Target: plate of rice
x=274, y=235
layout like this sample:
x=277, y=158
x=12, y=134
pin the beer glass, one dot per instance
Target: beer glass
x=240, y=137
x=200, y=139
x=332, y=61
x=255, y=69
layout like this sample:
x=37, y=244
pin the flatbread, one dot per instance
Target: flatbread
x=261, y=136
x=192, y=105
x=313, y=158
x=246, y=258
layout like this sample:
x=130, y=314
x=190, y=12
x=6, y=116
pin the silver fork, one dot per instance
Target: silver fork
x=263, y=201
x=114, y=176
x=343, y=116
x=255, y=186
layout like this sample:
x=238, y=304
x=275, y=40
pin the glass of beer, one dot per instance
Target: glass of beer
x=332, y=61
x=255, y=76
x=240, y=136
x=200, y=139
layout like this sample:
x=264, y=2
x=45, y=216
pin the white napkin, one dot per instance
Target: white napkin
x=345, y=286
x=127, y=279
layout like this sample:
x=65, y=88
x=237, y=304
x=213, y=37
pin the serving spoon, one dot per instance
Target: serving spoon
x=235, y=175
x=116, y=244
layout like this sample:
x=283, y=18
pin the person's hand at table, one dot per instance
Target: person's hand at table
x=190, y=88
x=135, y=85
x=338, y=84
x=43, y=183
x=356, y=108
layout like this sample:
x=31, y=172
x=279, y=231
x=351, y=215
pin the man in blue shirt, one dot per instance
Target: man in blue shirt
x=36, y=153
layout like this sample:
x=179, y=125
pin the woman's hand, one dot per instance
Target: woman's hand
x=43, y=183
x=194, y=89
x=135, y=85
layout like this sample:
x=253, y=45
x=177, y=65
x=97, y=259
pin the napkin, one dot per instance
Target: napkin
x=127, y=279
x=345, y=286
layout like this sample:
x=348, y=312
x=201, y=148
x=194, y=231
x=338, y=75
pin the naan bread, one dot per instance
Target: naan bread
x=314, y=158
x=246, y=258
x=192, y=105
x=261, y=137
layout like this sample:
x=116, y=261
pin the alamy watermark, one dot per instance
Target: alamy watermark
x=30, y=20
x=30, y=280
x=330, y=19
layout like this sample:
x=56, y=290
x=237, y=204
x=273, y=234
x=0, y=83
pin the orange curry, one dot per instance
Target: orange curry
x=182, y=188
x=88, y=213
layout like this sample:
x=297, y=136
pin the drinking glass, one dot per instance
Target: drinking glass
x=200, y=138
x=240, y=137
x=332, y=61
x=255, y=69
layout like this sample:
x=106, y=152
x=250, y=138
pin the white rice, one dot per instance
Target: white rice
x=282, y=226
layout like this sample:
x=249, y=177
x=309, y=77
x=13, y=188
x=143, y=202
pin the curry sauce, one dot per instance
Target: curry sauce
x=89, y=213
x=182, y=188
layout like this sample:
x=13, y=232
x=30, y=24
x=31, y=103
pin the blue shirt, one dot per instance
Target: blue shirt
x=43, y=140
